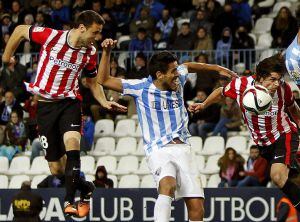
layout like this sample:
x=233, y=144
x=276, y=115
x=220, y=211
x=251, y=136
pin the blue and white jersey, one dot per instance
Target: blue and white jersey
x=162, y=114
x=292, y=60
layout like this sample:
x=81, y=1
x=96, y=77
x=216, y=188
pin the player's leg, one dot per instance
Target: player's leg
x=195, y=207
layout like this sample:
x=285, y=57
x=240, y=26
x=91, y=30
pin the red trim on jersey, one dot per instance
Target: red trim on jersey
x=280, y=105
x=268, y=125
x=288, y=137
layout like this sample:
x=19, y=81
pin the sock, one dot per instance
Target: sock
x=72, y=174
x=162, y=208
x=292, y=191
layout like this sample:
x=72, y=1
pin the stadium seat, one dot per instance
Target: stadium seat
x=200, y=162
x=213, y=145
x=135, y=117
x=239, y=143
x=114, y=179
x=122, y=59
x=17, y=180
x=4, y=164
x=211, y=166
x=266, y=53
x=90, y=177
x=37, y=179
x=19, y=165
x=203, y=180
x=127, y=165
x=125, y=146
x=39, y=166
x=148, y=182
x=125, y=127
x=143, y=169
x=137, y=132
x=129, y=181
x=122, y=39
x=140, y=149
x=253, y=36
x=278, y=6
x=181, y=21
x=196, y=143
x=3, y=182
x=104, y=146
x=87, y=164
x=264, y=41
x=263, y=25
x=213, y=181
x=104, y=127
x=110, y=163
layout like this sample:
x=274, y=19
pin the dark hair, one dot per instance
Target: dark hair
x=141, y=55
x=88, y=18
x=201, y=54
x=253, y=147
x=160, y=62
x=274, y=63
x=141, y=29
x=186, y=23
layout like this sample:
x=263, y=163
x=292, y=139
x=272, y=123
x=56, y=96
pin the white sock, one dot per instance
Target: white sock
x=162, y=208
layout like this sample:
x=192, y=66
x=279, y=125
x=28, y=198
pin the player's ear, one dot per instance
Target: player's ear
x=82, y=28
x=159, y=75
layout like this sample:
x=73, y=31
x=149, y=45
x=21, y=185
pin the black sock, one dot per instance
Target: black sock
x=72, y=174
x=292, y=191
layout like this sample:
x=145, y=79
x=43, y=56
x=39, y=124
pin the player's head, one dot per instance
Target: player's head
x=163, y=68
x=254, y=152
x=270, y=71
x=89, y=24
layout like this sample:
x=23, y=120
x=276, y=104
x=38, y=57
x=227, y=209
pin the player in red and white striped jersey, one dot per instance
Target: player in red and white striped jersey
x=274, y=132
x=64, y=57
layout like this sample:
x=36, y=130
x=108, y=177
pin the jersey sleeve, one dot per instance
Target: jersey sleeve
x=133, y=87
x=288, y=95
x=39, y=35
x=183, y=73
x=230, y=90
x=90, y=70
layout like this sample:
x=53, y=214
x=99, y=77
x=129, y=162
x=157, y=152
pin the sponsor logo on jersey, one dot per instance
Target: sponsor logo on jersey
x=64, y=64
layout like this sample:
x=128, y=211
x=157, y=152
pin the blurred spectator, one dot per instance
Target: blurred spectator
x=286, y=212
x=167, y=26
x=45, y=8
x=98, y=7
x=298, y=15
x=242, y=40
x=223, y=82
x=230, y=119
x=28, y=19
x=222, y=55
x=60, y=14
x=101, y=179
x=40, y=20
x=284, y=28
x=141, y=42
x=17, y=13
x=26, y=204
x=115, y=69
x=256, y=172
x=12, y=77
x=78, y=6
x=120, y=11
x=155, y=9
x=242, y=12
x=88, y=129
x=225, y=19
x=7, y=26
x=2, y=8
x=213, y=10
x=145, y=21
x=5, y=40
x=230, y=165
x=30, y=106
x=31, y=73
x=203, y=41
x=200, y=20
x=185, y=40
x=158, y=42
x=199, y=4
x=52, y=181
x=36, y=149
x=139, y=70
x=261, y=7
x=204, y=121
x=109, y=27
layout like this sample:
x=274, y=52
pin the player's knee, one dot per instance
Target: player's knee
x=196, y=210
x=55, y=170
x=72, y=141
x=278, y=178
x=167, y=188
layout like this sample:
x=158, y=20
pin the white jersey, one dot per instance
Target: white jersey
x=292, y=60
x=162, y=114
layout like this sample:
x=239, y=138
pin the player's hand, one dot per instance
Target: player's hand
x=227, y=72
x=110, y=105
x=11, y=61
x=196, y=107
x=108, y=44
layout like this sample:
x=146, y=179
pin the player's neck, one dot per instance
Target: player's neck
x=73, y=39
x=159, y=85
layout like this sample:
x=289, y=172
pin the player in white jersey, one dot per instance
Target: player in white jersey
x=163, y=120
x=274, y=133
x=64, y=56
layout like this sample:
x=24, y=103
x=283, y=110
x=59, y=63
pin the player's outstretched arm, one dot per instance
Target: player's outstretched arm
x=103, y=76
x=198, y=67
x=21, y=32
x=215, y=97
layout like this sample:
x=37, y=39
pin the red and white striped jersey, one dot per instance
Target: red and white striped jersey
x=60, y=65
x=265, y=129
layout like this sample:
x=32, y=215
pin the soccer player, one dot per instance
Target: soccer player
x=273, y=132
x=163, y=120
x=64, y=56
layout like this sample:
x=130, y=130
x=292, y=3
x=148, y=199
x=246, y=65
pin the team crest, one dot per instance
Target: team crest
x=38, y=29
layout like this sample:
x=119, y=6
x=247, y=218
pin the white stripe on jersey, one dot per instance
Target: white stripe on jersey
x=292, y=60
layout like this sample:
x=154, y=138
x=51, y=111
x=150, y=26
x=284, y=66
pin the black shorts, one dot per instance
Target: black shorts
x=53, y=120
x=284, y=150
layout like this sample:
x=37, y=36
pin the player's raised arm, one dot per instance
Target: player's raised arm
x=103, y=76
x=198, y=67
x=21, y=32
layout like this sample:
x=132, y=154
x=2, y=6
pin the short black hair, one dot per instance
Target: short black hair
x=160, y=62
x=88, y=18
x=274, y=63
x=253, y=147
x=186, y=23
x=141, y=29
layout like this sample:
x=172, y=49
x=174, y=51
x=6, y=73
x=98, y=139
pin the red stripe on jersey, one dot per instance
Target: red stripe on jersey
x=66, y=75
x=280, y=105
x=53, y=72
x=288, y=137
x=268, y=125
x=45, y=62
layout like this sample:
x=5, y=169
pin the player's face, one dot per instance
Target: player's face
x=170, y=79
x=90, y=34
x=271, y=82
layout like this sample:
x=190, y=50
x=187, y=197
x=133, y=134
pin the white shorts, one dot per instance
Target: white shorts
x=177, y=160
